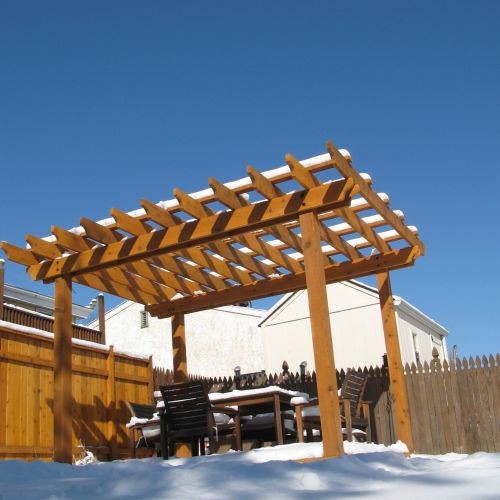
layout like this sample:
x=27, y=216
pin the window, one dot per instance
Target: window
x=144, y=319
x=415, y=347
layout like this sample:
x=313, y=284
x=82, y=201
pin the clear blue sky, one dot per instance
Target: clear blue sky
x=102, y=103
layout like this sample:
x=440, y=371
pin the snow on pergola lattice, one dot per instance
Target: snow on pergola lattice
x=232, y=242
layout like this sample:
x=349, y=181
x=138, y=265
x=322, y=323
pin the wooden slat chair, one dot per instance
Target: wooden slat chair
x=355, y=412
x=149, y=432
x=190, y=417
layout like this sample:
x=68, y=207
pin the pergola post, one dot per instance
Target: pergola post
x=182, y=450
x=399, y=393
x=102, y=321
x=63, y=329
x=179, y=348
x=331, y=427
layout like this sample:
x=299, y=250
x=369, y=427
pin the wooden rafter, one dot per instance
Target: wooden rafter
x=364, y=266
x=253, y=249
x=199, y=231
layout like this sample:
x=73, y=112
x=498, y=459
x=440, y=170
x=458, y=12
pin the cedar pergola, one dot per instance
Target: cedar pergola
x=299, y=226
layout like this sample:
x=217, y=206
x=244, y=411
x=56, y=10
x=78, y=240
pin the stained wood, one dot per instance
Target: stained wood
x=209, y=228
x=62, y=370
x=288, y=283
x=402, y=416
x=322, y=337
x=101, y=314
x=179, y=348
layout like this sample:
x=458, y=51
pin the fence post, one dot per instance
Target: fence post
x=111, y=404
x=102, y=321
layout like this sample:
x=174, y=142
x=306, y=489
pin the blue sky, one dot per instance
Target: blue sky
x=102, y=103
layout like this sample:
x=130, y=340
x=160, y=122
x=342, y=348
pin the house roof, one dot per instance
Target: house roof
x=233, y=242
x=399, y=303
x=14, y=294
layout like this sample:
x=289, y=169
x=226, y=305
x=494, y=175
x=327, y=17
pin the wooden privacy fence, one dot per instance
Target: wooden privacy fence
x=36, y=320
x=454, y=407
x=103, y=380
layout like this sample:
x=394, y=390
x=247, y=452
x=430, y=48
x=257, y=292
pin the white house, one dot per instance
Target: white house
x=220, y=339
x=217, y=340
x=357, y=332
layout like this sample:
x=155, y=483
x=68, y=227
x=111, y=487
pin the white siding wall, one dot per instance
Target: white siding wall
x=217, y=340
x=426, y=337
x=357, y=333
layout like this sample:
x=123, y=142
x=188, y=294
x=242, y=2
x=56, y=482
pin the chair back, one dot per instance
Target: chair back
x=353, y=389
x=186, y=407
x=140, y=410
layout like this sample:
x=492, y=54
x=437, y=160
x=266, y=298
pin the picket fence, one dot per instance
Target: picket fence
x=454, y=407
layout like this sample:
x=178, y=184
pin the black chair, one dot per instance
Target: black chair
x=188, y=417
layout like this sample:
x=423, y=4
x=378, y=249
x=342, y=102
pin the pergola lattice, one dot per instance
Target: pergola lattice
x=305, y=224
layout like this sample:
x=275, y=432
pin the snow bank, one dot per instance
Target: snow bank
x=368, y=471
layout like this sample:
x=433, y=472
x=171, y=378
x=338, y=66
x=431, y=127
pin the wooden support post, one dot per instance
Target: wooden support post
x=396, y=371
x=329, y=408
x=102, y=322
x=2, y=287
x=179, y=349
x=63, y=329
x=182, y=450
x=112, y=425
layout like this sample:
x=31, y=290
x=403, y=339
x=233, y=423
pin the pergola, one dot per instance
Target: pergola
x=299, y=226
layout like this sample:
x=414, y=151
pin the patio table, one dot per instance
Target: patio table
x=257, y=401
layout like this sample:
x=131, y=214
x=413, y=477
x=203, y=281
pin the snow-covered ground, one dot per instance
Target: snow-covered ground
x=368, y=471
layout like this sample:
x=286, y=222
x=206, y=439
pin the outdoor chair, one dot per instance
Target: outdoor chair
x=355, y=412
x=149, y=431
x=190, y=417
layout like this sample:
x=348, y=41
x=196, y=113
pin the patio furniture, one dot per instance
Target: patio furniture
x=263, y=412
x=189, y=417
x=149, y=430
x=355, y=412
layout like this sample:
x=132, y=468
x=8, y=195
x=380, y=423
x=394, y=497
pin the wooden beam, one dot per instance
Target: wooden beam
x=258, y=245
x=196, y=209
x=104, y=285
x=63, y=330
x=326, y=375
x=101, y=314
x=179, y=352
x=288, y=283
x=19, y=255
x=210, y=228
x=347, y=170
x=160, y=273
x=398, y=390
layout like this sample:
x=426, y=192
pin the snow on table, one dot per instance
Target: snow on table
x=220, y=396
x=367, y=471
